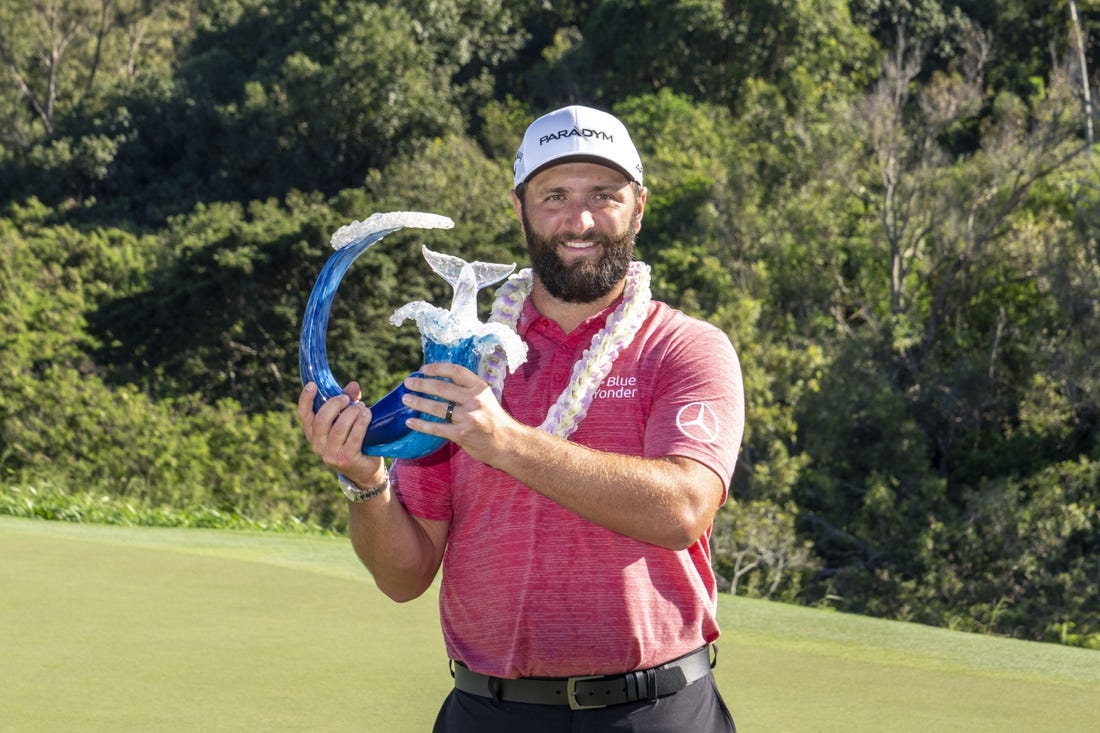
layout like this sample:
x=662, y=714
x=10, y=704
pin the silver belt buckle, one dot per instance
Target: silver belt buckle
x=571, y=692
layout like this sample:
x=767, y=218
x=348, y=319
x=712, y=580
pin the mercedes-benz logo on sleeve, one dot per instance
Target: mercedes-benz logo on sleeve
x=698, y=421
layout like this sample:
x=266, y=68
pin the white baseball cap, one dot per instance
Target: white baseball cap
x=577, y=133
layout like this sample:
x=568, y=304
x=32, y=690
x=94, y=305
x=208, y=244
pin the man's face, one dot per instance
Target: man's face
x=580, y=220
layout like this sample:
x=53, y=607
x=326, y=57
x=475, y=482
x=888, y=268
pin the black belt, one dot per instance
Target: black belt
x=596, y=691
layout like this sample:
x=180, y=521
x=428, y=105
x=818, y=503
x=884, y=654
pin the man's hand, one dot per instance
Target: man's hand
x=478, y=424
x=401, y=551
x=336, y=432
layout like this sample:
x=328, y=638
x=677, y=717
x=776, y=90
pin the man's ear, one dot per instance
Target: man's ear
x=639, y=206
x=517, y=205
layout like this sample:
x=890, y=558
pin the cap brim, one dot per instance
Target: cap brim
x=578, y=158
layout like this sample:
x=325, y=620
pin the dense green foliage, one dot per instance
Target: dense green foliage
x=892, y=208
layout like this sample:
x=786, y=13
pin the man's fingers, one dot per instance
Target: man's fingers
x=306, y=417
x=460, y=375
x=331, y=409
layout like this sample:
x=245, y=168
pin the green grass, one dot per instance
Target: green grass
x=129, y=629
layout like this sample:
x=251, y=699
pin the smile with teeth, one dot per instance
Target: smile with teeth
x=579, y=243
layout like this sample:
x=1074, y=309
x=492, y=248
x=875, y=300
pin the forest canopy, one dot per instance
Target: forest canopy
x=890, y=207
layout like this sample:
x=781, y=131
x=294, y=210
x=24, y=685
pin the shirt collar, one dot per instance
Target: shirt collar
x=530, y=315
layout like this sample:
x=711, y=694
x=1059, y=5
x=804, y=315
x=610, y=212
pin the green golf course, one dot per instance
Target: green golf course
x=132, y=629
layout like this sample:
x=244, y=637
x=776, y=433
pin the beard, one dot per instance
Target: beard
x=581, y=281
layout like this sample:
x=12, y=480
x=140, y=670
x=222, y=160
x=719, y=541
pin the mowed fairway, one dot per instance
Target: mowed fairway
x=112, y=629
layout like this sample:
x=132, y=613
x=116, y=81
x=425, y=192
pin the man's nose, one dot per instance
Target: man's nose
x=580, y=218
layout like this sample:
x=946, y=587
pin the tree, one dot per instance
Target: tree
x=938, y=227
x=756, y=549
x=1078, y=42
x=34, y=46
x=939, y=313
x=471, y=40
x=709, y=50
x=59, y=53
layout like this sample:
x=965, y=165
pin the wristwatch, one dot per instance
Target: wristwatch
x=358, y=495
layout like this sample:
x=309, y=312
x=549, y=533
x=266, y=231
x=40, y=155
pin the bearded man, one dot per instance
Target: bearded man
x=571, y=521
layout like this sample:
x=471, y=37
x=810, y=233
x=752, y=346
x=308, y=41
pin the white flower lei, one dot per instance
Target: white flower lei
x=622, y=325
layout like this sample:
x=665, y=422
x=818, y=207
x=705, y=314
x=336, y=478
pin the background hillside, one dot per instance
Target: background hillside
x=891, y=207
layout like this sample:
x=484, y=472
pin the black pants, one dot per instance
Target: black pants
x=698, y=708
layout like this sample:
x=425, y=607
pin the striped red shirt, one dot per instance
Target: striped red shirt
x=531, y=589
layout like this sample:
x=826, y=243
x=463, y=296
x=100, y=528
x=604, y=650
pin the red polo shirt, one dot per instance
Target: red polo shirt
x=531, y=589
